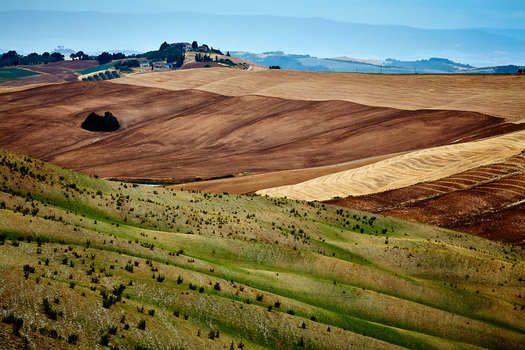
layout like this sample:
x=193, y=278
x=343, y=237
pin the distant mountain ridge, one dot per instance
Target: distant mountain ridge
x=40, y=30
x=434, y=65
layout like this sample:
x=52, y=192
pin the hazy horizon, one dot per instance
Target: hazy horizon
x=427, y=14
x=376, y=30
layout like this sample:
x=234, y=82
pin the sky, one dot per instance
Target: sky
x=432, y=14
x=477, y=32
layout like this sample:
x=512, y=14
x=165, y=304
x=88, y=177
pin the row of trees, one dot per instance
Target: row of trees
x=80, y=55
x=12, y=58
x=127, y=65
x=106, y=57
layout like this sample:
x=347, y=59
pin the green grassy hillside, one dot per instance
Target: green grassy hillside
x=86, y=263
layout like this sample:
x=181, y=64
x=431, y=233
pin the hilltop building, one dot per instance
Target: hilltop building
x=185, y=46
x=204, y=48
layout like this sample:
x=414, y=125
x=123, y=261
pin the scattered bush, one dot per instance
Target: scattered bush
x=104, y=340
x=27, y=270
x=72, y=339
x=48, y=310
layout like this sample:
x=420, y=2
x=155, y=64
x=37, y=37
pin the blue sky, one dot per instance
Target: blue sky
x=478, y=32
x=437, y=14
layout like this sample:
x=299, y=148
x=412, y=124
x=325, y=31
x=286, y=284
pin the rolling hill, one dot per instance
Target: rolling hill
x=486, y=201
x=346, y=64
x=404, y=170
x=495, y=95
x=474, y=187
x=173, y=135
x=226, y=123
x=89, y=263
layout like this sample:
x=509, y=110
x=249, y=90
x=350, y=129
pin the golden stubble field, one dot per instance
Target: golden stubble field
x=404, y=170
x=498, y=95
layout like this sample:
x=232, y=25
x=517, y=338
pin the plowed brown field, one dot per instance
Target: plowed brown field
x=178, y=134
x=488, y=201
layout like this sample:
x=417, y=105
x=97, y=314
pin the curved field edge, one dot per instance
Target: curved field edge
x=404, y=170
x=486, y=201
x=383, y=280
x=497, y=95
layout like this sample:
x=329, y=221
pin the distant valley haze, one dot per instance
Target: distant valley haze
x=43, y=26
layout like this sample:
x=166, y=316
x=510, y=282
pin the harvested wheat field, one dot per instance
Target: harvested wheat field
x=498, y=95
x=488, y=201
x=168, y=134
x=250, y=183
x=405, y=170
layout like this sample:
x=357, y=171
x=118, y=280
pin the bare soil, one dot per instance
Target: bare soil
x=179, y=134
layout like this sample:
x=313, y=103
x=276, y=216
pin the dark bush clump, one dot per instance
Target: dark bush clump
x=104, y=340
x=48, y=310
x=27, y=270
x=72, y=339
x=95, y=122
x=15, y=321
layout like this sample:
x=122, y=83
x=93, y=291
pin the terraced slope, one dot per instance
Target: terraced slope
x=405, y=170
x=179, y=134
x=488, y=201
x=97, y=263
x=498, y=95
